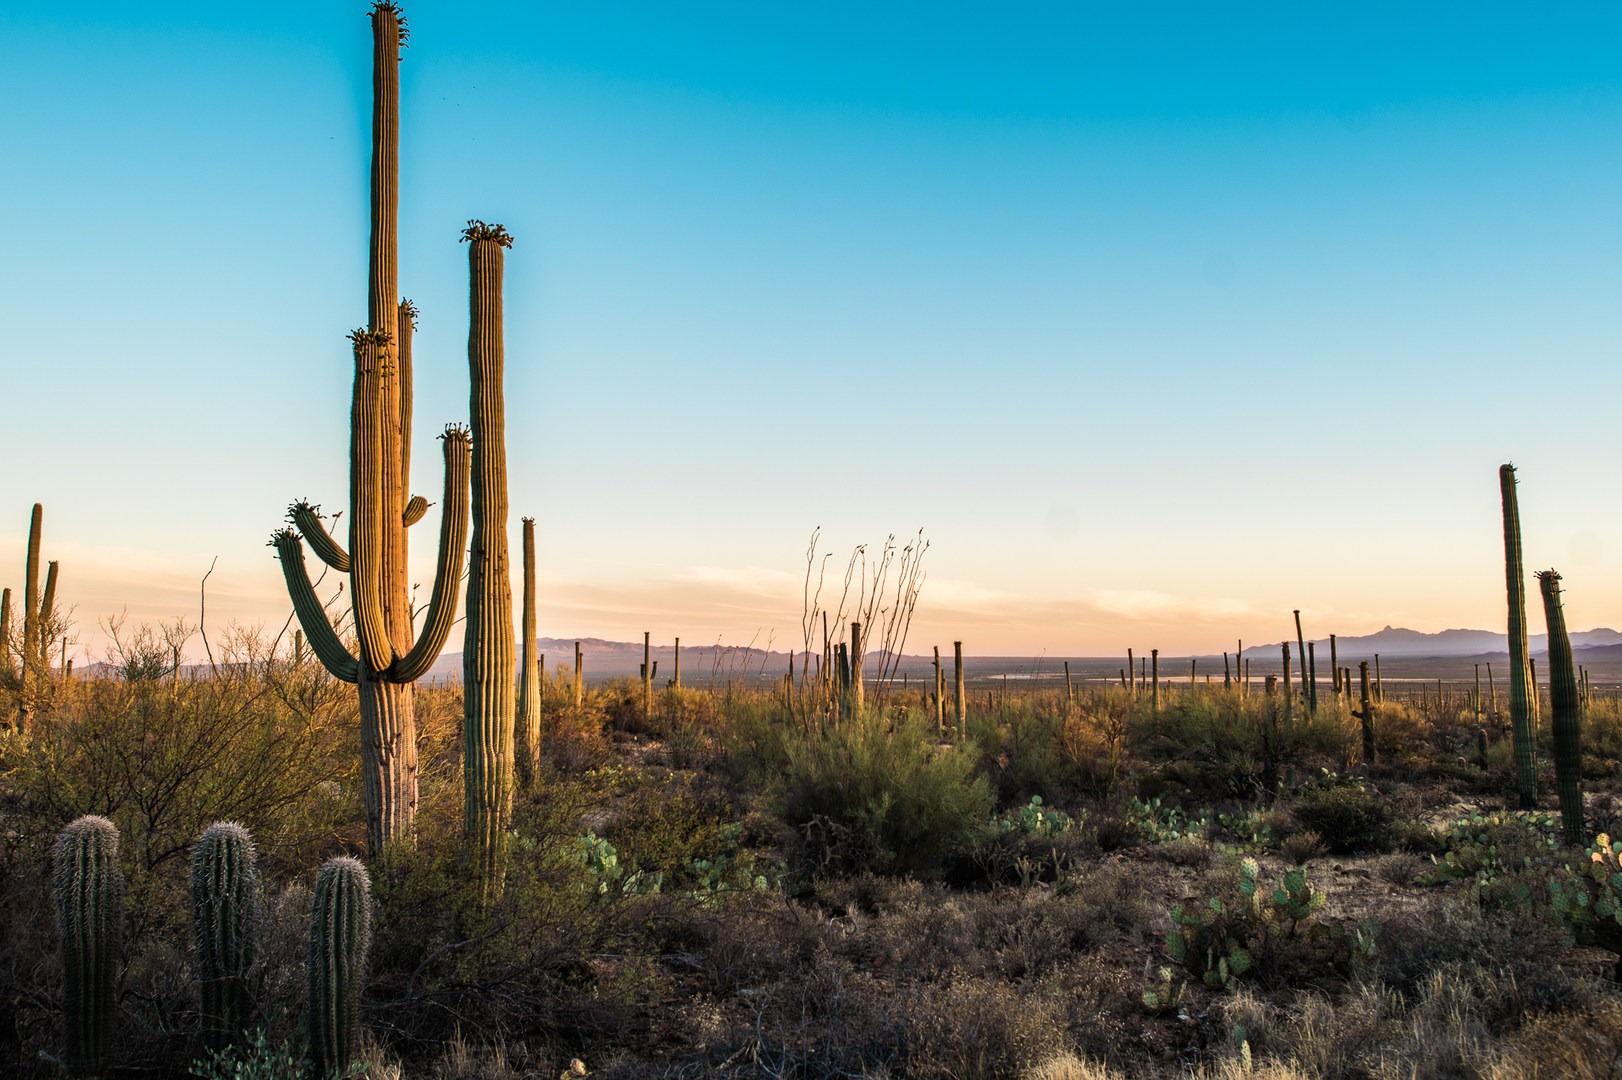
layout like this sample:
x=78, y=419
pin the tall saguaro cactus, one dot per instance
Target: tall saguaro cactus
x=225, y=901
x=529, y=676
x=380, y=506
x=488, y=659
x=1522, y=705
x=340, y=935
x=1565, y=711
x=89, y=890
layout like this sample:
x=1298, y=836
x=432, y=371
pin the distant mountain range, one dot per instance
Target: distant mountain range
x=1394, y=641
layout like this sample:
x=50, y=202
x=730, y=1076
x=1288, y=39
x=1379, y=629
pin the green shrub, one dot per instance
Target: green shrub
x=878, y=792
x=1349, y=817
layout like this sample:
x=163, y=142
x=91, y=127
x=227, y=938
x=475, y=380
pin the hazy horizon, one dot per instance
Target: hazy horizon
x=1161, y=323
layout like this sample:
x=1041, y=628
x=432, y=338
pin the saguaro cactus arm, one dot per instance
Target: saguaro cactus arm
x=414, y=511
x=306, y=517
x=448, y=571
x=312, y=616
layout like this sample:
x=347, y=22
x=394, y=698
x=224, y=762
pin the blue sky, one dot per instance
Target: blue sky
x=1161, y=320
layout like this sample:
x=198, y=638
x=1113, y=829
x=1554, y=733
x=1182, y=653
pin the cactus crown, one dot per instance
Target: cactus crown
x=283, y=535
x=362, y=337
x=389, y=9
x=408, y=310
x=527, y=521
x=1547, y=575
x=478, y=230
x=457, y=432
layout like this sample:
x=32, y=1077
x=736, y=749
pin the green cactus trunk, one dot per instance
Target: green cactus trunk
x=224, y=899
x=1154, y=665
x=340, y=934
x=529, y=685
x=488, y=654
x=1565, y=712
x=89, y=891
x=390, y=657
x=5, y=634
x=1522, y=705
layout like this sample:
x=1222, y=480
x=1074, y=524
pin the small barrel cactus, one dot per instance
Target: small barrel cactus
x=224, y=900
x=340, y=934
x=89, y=889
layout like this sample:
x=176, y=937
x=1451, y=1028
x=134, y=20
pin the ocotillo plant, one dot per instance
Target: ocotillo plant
x=1565, y=714
x=224, y=903
x=529, y=685
x=380, y=505
x=1522, y=700
x=340, y=934
x=89, y=890
x=488, y=655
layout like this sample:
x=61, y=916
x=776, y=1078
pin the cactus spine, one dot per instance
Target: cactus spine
x=381, y=508
x=488, y=655
x=89, y=890
x=1565, y=712
x=224, y=899
x=340, y=934
x=1522, y=704
x=529, y=686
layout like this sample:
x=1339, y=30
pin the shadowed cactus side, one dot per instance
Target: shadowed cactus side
x=488, y=653
x=225, y=900
x=89, y=891
x=340, y=935
x=1522, y=702
x=1564, y=711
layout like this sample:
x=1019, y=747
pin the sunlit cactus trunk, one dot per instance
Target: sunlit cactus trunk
x=391, y=655
x=89, y=886
x=959, y=702
x=1565, y=712
x=856, y=700
x=340, y=935
x=1522, y=704
x=529, y=684
x=224, y=900
x=33, y=669
x=488, y=654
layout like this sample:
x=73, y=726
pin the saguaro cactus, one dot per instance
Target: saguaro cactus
x=1522, y=702
x=224, y=901
x=488, y=656
x=529, y=678
x=380, y=506
x=340, y=934
x=1565, y=712
x=89, y=890
x=38, y=625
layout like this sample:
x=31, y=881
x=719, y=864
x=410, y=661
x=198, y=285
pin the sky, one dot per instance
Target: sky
x=1160, y=320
